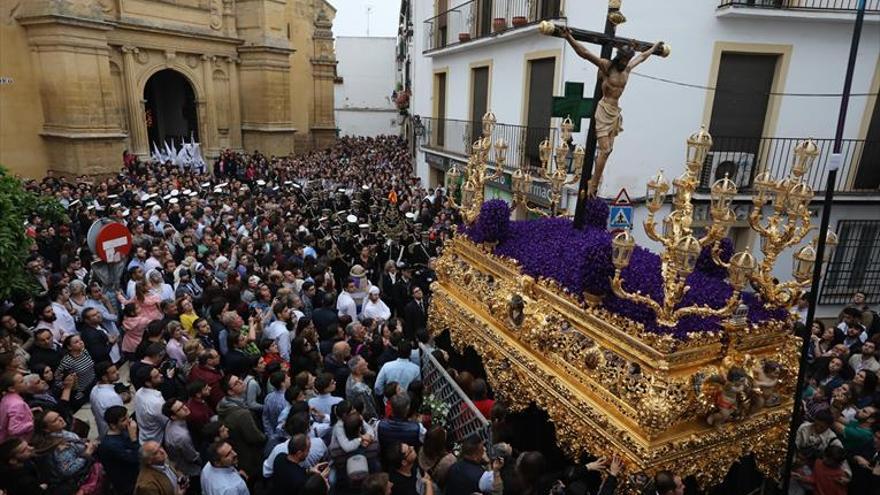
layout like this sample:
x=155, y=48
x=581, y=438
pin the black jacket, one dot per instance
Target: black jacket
x=96, y=342
x=415, y=317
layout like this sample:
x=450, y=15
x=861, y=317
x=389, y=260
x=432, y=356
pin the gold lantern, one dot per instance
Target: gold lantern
x=656, y=194
x=742, y=265
x=622, y=246
x=804, y=261
x=500, y=152
x=804, y=155
x=685, y=255
x=698, y=145
x=764, y=187
x=722, y=194
x=544, y=151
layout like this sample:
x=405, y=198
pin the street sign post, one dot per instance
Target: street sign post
x=620, y=214
x=112, y=242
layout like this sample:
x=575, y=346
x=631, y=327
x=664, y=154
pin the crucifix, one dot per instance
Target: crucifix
x=606, y=121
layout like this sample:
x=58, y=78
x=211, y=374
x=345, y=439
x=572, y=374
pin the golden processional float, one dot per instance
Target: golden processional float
x=684, y=361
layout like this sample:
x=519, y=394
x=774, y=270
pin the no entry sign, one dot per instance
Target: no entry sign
x=112, y=242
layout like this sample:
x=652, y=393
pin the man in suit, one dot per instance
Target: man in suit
x=415, y=314
x=403, y=290
x=326, y=316
x=156, y=477
x=98, y=341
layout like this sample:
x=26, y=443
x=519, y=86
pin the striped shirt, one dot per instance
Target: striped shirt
x=84, y=368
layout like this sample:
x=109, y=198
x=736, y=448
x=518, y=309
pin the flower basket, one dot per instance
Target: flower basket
x=519, y=20
x=464, y=37
x=438, y=410
x=499, y=24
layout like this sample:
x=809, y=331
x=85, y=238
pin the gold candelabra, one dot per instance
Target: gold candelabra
x=521, y=178
x=477, y=173
x=786, y=226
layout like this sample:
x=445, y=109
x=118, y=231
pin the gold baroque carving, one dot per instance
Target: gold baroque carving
x=608, y=392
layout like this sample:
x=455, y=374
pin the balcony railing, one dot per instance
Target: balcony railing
x=741, y=159
x=456, y=136
x=481, y=18
x=810, y=5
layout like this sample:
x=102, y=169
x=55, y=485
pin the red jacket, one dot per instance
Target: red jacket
x=210, y=377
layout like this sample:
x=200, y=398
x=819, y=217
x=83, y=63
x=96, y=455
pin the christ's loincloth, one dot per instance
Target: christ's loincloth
x=609, y=121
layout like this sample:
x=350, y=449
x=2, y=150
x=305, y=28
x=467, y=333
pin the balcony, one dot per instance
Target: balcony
x=741, y=159
x=454, y=137
x=478, y=19
x=824, y=10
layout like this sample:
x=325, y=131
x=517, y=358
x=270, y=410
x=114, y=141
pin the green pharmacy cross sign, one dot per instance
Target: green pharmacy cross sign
x=573, y=104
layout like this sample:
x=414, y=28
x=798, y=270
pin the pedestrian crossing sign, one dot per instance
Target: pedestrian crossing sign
x=621, y=217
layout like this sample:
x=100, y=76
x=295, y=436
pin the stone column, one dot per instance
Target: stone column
x=266, y=121
x=210, y=137
x=81, y=124
x=135, y=102
x=234, y=103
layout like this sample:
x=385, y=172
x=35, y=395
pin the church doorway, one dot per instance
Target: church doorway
x=170, y=105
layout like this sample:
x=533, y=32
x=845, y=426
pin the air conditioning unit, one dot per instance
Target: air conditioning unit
x=737, y=165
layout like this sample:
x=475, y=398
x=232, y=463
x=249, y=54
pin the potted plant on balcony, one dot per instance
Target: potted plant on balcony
x=401, y=101
x=499, y=24
x=519, y=20
x=464, y=37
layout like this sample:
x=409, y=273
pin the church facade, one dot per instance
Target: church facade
x=85, y=80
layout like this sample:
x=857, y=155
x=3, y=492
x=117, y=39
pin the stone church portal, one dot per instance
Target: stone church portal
x=170, y=107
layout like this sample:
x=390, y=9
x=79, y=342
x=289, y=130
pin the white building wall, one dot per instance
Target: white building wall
x=659, y=116
x=364, y=105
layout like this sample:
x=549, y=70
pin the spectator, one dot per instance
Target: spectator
x=325, y=385
x=467, y=475
x=207, y=371
x=178, y=442
x=401, y=370
x=244, y=435
x=219, y=476
x=77, y=360
x=118, y=449
x=103, y=395
x=156, y=476
x=148, y=404
x=16, y=419
x=397, y=427
x=18, y=473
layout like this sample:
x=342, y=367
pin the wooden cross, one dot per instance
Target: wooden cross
x=607, y=40
x=573, y=104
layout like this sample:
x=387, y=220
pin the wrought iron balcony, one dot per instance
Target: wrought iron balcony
x=742, y=159
x=456, y=136
x=843, y=6
x=477, y=19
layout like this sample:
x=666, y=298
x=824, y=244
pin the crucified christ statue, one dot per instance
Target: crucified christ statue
x=608, y=119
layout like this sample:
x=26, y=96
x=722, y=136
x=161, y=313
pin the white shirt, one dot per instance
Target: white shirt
x=148, y=412
x=345, y=305
x=63, y=321
x=222, y=481
x=103, y=396
x=278, y=332
x=317, y=453
x=152, y=264
x=376, y=310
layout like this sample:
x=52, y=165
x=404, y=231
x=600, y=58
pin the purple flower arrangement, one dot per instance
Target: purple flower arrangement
x=706, y=265
x=596, y=213
x=493, y=223
x=580, y=261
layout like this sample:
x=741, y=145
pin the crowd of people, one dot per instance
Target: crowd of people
x=272, y=319
x=838, y=444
